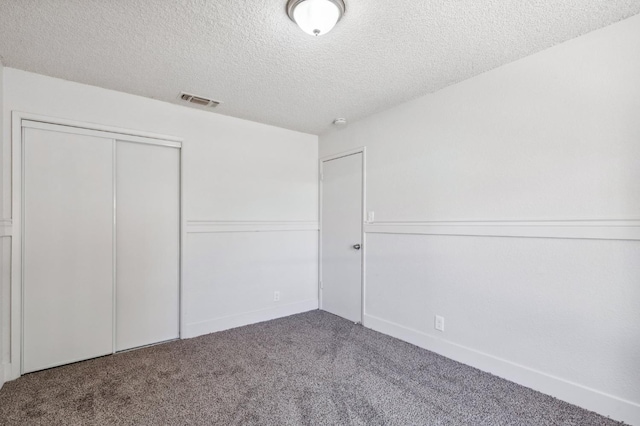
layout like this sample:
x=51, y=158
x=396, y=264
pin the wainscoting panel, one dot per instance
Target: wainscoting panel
x=231, y=277
x=558, y=315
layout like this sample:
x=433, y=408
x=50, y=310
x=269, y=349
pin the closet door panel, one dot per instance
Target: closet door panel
x=68, y=248
x=147, y=241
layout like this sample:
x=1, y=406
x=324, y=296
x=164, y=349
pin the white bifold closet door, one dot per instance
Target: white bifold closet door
x=68, y=248
x=101, y=243
x=147, y=244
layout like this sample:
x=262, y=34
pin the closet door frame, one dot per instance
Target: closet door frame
x=20, y=120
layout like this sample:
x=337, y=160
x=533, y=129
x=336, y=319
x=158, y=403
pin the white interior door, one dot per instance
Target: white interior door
x=68, y=248
x=148, y=244
x=342, y=236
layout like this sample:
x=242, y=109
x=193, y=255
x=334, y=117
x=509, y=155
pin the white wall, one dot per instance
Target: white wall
x=548, y=146
x=3, y=284
x=250, y=197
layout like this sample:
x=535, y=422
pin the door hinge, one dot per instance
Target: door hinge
x=321, y=286
x=321, y=176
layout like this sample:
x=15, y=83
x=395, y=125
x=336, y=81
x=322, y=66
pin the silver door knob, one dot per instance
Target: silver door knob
x=356, y=246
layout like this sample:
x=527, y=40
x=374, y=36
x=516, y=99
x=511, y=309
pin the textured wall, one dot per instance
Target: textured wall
x=552, y=137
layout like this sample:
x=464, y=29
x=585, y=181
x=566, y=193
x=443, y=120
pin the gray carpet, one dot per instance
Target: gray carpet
x=312, y=368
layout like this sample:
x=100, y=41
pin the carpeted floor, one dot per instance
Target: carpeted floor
x=312, y=368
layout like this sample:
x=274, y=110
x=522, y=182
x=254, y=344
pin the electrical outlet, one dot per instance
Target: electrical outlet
x=439, y=325
x=370, y=217
x=276, y=296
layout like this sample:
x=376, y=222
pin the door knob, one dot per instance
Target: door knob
x=356, y=246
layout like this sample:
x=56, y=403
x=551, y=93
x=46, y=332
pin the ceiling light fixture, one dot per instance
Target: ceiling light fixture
x=315, y=17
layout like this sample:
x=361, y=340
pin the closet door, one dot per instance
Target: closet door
x=147, y=244
x=68, y=248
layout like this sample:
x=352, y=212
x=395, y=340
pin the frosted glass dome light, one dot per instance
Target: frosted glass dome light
x=315, y=17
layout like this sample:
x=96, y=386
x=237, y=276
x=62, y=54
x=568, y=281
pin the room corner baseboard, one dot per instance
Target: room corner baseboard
x=9, y=372
x=246, y=318
x=573, y=393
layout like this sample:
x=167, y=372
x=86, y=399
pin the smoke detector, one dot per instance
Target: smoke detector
x=199, y=100
x=340, y=122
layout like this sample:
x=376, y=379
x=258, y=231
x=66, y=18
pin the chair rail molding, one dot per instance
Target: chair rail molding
x=6, y=227
x=216, y=226
x=600, y=229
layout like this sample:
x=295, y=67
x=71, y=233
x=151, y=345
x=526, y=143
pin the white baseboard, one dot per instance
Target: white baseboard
x=246, y=318
x=9, y=372
x=573, y=393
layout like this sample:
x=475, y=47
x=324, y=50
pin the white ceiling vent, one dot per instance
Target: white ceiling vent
x=198, y=100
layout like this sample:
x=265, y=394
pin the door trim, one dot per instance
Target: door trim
x=20, y=120
x=360, y=150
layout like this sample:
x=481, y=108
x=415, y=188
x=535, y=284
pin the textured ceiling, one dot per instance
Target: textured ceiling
x=249, y=55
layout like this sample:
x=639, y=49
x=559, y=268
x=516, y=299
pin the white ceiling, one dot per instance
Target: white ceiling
x=249, y=55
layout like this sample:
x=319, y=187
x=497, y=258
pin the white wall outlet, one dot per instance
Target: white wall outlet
x=370, y=216
x=439, y=323
x=276, y=296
